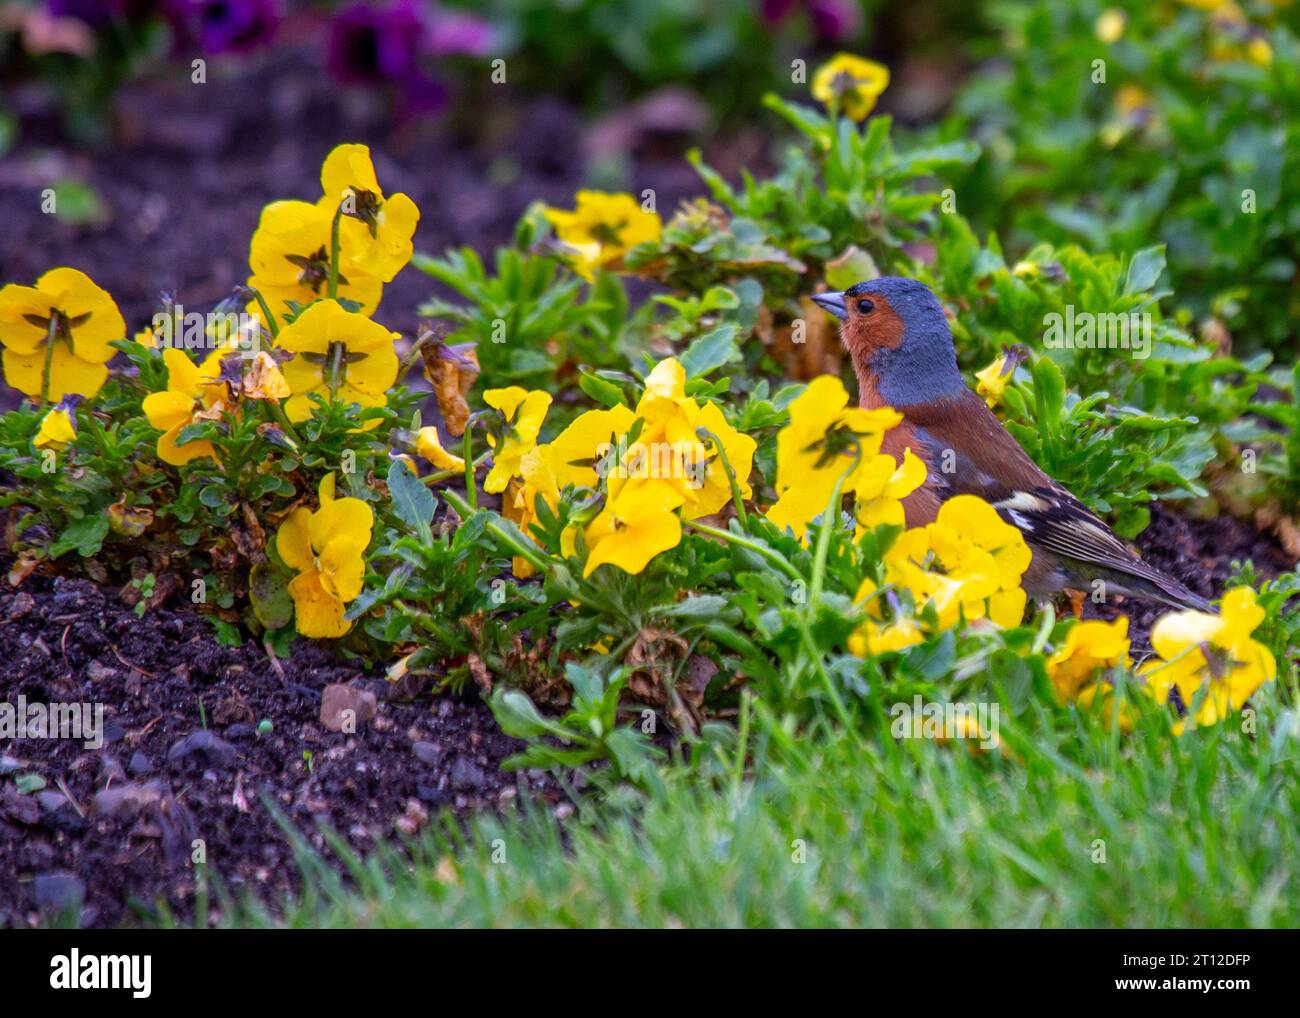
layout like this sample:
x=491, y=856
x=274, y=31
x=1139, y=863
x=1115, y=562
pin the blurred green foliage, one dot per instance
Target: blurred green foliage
x=1123, y=124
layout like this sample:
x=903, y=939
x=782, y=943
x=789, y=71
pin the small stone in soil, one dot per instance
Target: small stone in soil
x=203, y=748
x=343, y=706
x=467, y=774
x=427, y=752
x=58, y=892
x=51, y=801
x=97, y=671
x=122, y=799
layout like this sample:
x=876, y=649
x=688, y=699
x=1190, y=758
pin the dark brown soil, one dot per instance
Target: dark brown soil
x=183, y=759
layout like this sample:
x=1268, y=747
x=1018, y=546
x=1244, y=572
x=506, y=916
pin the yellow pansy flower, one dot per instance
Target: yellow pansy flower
x=855, y=81
x=669, y=447
x=326, y=549
x=1110, y=25
x=589, y=441
x=602, y=228
x=57, y=429
x=428, y=443
x=910, y=566
x=985, y=543
x=992, y=381
x=635, y=527
x=985, y=554
x=880, y=638
x=1259, y=52
x=1131, y=99
x=191, y=390
x=880, y=487
x=1089, y=647
x=375, y=231
x=56, y=335
x=289, y=259
x=337, y=348
x=818, y=446
x=967, y=563
x=524, y=412
x=1195, y=648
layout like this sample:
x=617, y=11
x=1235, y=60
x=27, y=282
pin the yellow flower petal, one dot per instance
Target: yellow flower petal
x=856, y=81
x=317, y=613
x=178, y=455
x=634, y=528
x=428, y=444
x=293, y=541
x=56, y=430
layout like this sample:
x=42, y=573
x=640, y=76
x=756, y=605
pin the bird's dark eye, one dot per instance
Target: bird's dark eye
x=865, y=306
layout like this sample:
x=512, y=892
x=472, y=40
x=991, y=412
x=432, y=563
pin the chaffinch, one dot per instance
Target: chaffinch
x=898, y=338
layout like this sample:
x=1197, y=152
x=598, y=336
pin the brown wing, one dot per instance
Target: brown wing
x=970, y=452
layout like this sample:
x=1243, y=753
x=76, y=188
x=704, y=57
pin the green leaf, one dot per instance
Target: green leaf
x=1145, y=269
x=86, y=537
x=78, y=204
x=711, y=351
x=701, y=607
x=26, y=784
x=227, y=633
x=601, y=390
x=1049, y=387
x=413, y=503
x=517, y=715
x=268, y=592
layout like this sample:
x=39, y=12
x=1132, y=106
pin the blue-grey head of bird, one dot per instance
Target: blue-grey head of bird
x=897, y=335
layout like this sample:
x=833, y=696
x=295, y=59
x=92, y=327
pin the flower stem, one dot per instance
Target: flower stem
x=833, y=694
x=417, y=352
x=467, y=454
x=335, y=368
x=736, y=499
x=266, y=311
x=830, y=520
x=333, y=290
x=281, y=418
x=49, y=357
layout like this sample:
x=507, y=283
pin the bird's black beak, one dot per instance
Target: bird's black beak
x=832, y=302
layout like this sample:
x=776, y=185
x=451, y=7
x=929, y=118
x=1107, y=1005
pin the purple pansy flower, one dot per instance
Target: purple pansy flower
x=220, y=26
x=831, y=19
x=98, y=12
x=452, y=33
x=372, y=44
x=369, y=44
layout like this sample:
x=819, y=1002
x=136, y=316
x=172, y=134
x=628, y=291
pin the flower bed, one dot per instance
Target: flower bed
x=626, y=524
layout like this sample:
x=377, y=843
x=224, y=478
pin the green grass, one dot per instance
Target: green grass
x=1201, y=829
